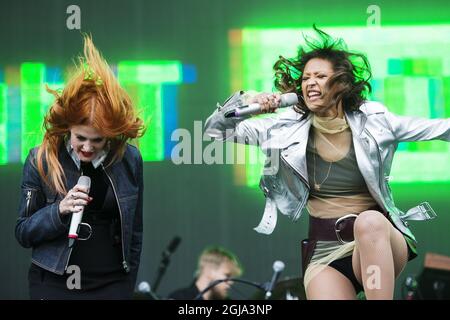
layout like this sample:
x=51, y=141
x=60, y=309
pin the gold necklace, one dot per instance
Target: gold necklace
x=318, y=185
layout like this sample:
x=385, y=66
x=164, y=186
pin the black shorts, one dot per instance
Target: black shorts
x=345, y=266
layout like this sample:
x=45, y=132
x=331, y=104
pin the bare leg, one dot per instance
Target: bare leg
x=381, y=252
x=330, y=284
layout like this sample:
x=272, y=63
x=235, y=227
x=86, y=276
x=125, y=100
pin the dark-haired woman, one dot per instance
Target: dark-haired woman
x=334, y=151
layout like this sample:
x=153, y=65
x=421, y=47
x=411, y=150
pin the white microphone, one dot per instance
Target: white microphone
x=287, y=99
x=84, y=181
x=278, y=267
x=144, y=292
x=144, y=287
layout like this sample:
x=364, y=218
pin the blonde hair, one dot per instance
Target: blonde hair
x=215, y=256
x=92, y=96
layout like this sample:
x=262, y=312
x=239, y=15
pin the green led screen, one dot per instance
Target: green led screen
x=3, y=123
x=411, y=76
x=149, y=83
x=143, y=81
x=32, y=77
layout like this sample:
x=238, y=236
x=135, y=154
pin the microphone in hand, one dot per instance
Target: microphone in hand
x=75, y=221
x=287, y=99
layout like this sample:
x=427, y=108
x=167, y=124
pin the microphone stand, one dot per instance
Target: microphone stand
x=216, y=282
x=165, y=261
x=161, y=271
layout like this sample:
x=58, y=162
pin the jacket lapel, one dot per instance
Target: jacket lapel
x=295, y=153
x=366, y=152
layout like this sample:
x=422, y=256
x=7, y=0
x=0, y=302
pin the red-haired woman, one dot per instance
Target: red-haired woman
x=86, y=133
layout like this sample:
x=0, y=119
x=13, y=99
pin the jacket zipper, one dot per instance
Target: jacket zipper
x=68, y=258
x=28, y=202
x=70, y=249
x=124, y=262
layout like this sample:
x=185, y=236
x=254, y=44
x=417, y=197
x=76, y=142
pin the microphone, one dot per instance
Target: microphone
x=173, y=245
x=165, y=261
x=287, y=99
x=144, y=292
x=144, y=287
x=278, y=267
x=84, y=181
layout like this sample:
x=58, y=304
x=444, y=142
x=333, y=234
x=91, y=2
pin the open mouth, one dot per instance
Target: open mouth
x=87, y=154
x=314, y=95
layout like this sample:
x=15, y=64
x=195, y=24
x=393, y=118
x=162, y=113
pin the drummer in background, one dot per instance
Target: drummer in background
x=215, y=263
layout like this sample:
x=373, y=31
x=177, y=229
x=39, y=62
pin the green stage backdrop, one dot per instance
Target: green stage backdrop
x=177, y=59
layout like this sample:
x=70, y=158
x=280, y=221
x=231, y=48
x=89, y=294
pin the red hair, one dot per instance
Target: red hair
x=93, y=97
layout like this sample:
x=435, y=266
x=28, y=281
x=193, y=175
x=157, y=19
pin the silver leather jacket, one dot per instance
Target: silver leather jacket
x=376, y=133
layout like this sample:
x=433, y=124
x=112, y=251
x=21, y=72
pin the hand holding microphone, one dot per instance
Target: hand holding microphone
x=264, y=103
x=75, y=201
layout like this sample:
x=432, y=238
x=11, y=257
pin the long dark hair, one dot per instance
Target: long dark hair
x=349, y=84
